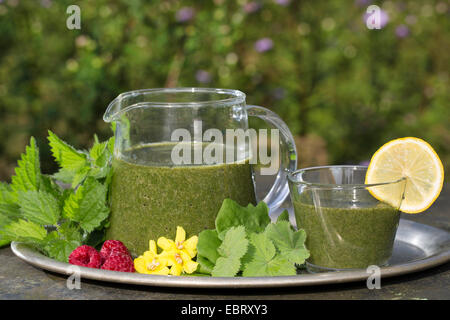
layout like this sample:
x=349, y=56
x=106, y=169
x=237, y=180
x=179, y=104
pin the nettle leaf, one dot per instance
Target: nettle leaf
x=68, y=231
x=67, y=156
x=87, y=205
x=60, y=249
x=9, y=210
x=232, y=249
x=49, y=186
x=290, y=243
x=80, y=176
x=7, y=195
x=23, y=230
x=64, y=175
x=4, y=242
x=231, y=214
x=28, y=171
x=40, y=207
x=265, y=261
x=4, y=221
x=111, y=143
x=99, y=153
x=60, y=244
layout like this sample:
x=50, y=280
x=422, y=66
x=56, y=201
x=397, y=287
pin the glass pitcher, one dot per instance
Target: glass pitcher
x=171, y=168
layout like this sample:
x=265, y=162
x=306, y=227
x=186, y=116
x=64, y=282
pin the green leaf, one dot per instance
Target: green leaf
x=290, y=243
x=4, y=220
x=80, y=176
x=233, y=247
x=8, y=203
x=226, y=267
x=64, y=175
x=111, y=143
x=11, y=211
x=205, y=266
x=28, y=172
x=25, y=231
x=265, y=261
x=67, y=156
x=235, y=243
x=99, y=153
x=208, y=243
x=60, y=249
x=40, y=207
x=284, y=216
x=87, y=205
x=68, y=231
x=231, y=214
x=7, y=195
x=49, y=186
x=99, y=173
x=4, y=242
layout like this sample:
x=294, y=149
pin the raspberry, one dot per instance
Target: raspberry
x=118, y=261
x=110, y=246
x=85, y=256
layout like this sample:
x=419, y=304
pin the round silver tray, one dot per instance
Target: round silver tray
x=417, y=247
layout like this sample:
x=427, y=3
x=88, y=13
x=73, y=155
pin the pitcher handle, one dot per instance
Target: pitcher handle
x=288, y=154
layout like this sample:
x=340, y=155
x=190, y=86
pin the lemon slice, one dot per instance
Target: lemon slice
x=413, y=159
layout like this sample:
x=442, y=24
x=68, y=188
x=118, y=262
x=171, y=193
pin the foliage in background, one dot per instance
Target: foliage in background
x=337, y=84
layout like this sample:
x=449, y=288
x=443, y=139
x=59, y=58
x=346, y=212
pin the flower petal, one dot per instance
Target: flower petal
x=190, y=245
x=149, y=256
x=165, y=258
x=152, y=246
x=162, y=271
x=190, y=266
x=166, y=244
x=176, y=269
x=140, y=265
x=181, y=235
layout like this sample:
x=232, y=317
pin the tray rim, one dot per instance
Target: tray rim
x=37, y=259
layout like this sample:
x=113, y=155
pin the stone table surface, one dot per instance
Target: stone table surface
x=18, y=280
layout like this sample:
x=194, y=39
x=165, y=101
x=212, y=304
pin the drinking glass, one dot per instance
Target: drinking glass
x=346, y=226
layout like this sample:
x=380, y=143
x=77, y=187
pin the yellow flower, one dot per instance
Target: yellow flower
x=179, y=253
x=179, y=261
x=152, y=263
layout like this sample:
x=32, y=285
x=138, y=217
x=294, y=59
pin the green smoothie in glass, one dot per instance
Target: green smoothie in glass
x=346, y=226
x=342, y=238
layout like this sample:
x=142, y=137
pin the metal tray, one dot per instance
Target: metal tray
x=417, y=247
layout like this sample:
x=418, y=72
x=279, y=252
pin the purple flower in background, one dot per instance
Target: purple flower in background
x=402, y=31
x=384, y=18
x=283, y=3
x=364, y=163
x=263, y=44
x=45, y=3
x=278, y=93
x=411, y=19
x=203, y=76
x=362, y=3
x=252, y=7
x=185, y=14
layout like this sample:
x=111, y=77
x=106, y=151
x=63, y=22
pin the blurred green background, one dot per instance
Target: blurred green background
x=343, y=89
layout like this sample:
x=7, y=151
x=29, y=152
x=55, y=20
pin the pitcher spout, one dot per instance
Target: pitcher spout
x=112, y=111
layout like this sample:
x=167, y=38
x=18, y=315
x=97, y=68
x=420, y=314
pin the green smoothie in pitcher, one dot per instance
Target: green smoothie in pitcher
x=151, y=197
